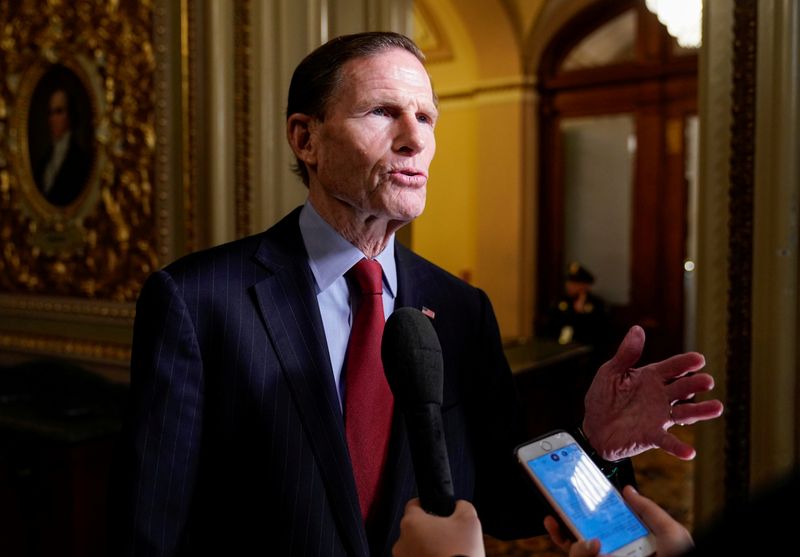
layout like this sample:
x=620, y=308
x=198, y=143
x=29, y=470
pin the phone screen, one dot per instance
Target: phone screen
x=595, y=507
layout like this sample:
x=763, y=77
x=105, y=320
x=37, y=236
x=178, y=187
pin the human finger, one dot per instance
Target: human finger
x=672, y=538
x=686, y=387
x=557, y=535
x=465, y=508
x=679, y=365
x=585, y=548
x=629, y=351
x=412, y=505
x=689, y=413
x=656, y=518
x=674, y=446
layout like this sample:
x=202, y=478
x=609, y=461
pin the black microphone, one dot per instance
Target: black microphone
x=412, y=362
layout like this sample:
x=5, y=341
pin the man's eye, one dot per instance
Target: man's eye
x=380, y=111
x=424, y=118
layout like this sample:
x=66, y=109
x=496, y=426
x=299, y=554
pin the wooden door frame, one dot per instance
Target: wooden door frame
x=660, y=91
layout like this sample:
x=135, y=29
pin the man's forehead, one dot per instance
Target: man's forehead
x=404, y=70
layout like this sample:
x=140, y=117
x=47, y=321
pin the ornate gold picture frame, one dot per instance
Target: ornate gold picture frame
x=84, y=220
x=56, y=106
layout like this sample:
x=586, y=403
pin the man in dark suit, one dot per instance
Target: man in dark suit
x=237, y=438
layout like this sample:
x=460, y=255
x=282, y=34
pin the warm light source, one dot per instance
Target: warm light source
x=682, y=18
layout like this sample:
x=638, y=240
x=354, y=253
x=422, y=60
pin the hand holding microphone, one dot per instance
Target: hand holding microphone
x=412, y=362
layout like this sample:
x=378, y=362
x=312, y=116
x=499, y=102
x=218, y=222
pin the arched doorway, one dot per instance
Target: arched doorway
x=618, y=105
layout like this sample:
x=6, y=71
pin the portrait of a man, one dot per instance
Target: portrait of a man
x=60, y=136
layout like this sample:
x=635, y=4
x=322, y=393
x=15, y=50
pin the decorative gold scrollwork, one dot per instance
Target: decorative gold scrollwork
x=99, y=240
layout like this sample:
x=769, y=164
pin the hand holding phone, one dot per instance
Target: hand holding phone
x=582, y=497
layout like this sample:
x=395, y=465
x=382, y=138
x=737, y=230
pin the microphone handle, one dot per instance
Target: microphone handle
x=429, y=456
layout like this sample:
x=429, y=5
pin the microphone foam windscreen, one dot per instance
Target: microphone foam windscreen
x=412, y=358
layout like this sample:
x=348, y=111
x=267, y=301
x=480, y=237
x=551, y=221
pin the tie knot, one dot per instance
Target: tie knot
x=368, y=274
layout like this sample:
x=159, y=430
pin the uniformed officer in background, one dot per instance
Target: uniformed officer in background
x=578, y=315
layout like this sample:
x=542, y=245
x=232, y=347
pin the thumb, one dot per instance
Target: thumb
x=656, y=518
x=585, y=548
x=629, y=351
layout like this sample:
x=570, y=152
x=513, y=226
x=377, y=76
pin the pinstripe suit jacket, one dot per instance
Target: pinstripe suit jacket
x=234, y=442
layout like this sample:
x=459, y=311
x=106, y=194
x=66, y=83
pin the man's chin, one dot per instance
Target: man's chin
x=397, y=211
x=396, y=224
x=403, y=219
x=410, y=211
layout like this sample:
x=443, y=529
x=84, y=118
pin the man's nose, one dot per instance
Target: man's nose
x=411, y=135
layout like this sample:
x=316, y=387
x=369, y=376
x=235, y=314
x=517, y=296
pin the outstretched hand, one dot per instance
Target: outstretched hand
x=630, y=410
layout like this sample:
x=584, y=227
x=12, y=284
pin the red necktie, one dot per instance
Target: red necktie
x=368, y=399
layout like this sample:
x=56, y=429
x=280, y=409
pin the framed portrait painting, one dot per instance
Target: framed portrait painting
x=88, y=98
x=60, y=135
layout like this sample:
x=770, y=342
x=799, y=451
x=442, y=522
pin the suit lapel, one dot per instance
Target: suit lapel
x=290, y=311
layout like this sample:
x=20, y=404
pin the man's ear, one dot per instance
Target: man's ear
x=299, y=132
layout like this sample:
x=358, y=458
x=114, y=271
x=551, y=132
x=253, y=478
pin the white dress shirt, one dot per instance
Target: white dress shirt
x=330, y=257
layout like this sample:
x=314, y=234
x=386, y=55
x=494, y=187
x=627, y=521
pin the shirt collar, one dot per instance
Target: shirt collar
x=331, y=256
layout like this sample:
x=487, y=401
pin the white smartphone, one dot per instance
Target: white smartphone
x=585, y=500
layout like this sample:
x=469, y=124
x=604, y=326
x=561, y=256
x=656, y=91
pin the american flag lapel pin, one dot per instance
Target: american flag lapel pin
x=429, y=312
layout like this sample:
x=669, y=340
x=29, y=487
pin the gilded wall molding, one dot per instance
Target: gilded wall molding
x=67, y=307
x=243, y=88
x=94, y=351
x=189, y=87
x=77, y=243
x=162, y=122
x=740, y=264
x=97, y=236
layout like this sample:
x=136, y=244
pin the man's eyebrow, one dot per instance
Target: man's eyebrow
x=430, y=109
x=428, y=106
